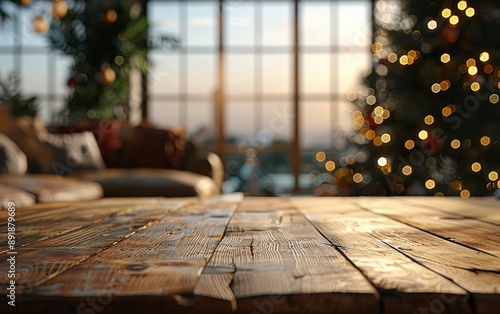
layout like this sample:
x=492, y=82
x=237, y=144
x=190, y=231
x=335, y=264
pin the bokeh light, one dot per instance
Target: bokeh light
x=432, y=25
x=470, y=12
x=493, y=176
x=330, y=166
x=407, y=170
x=430, y=184
x=485, y=141
x=429, y=120
x=476, y=167
x=409, y=144
x=320, y=156
x=465, y=194
x=445, y=58
x=446, y=13
x=423, y=135
x=382, y=161
x=357, y=178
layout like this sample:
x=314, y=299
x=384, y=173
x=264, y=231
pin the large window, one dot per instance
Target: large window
x=42, y=72
x=257, y=61
x=246, y=52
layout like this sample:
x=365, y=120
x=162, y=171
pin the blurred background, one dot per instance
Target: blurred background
x=362, y=97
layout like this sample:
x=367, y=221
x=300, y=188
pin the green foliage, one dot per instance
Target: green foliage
x=97, y=42
x=11, y=95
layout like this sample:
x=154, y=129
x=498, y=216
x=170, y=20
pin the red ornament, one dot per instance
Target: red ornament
x=72, y=81
x=371, y=122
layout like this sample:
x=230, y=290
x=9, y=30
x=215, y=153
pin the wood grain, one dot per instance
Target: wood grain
x=405, y=286
x=271, y=249
x=48, y=258
x=164, y=259
x=483, y=209
x=454, y=227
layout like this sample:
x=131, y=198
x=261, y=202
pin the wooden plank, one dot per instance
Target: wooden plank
x=473, y=270
x=405, y=286
x=43, y=225
x=271, y=249
x=48, y=258
x=487, y=212
x=454, y=227
x=164, y=259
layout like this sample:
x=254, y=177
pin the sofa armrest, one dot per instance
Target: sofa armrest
x=208, y=164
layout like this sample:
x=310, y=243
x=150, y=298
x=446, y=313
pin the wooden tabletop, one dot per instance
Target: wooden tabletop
x=254, y=255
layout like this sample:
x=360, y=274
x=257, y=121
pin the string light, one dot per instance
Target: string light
x=462, y=5
x=330, y=166
x=455, y=144
x=454, y=20
x=429, y=120
x=320, y=156
x=432, y=25
x=465, y=194
x=409, y=144
x=494, y=98
x=445, y=58
x=430, y=184
x=423, y=135
x=446, y=13
x=470, y=12
x=407, y=170
x=382, y=161
x=476, y=167
x=357, y=178
x=484, y=56
x=485, y=141
x=493, y=176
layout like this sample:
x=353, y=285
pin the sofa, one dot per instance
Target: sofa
x=90, y=160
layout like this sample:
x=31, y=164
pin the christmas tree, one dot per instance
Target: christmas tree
x=107, y=39
x=428, y=113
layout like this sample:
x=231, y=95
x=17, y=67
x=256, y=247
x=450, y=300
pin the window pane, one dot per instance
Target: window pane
x=7, y=34
x=28, y=36
x=239, y=25
x=63, y=64
x=240, y=74
x=240, y=120
x=201, y=74
x=354, y=23
x=164, y=73
x=352, y=67
x=202, y=23
x=7, y=64
x=277, y=24
x=34, y=74
x=315, y=73
x=50, y=109
x=164, y=21
x=316, y=125
x=315, y=24
x=164, y=114
x=200, y=120
x=277, y=74
x=278, y=121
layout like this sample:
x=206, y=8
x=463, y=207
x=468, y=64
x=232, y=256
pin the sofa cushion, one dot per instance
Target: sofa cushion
x=54, y=188
x=24, y=131
x=15, y=195
x=144, y=182
x=65, y=153
x=149, y=147
x=12, y=159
